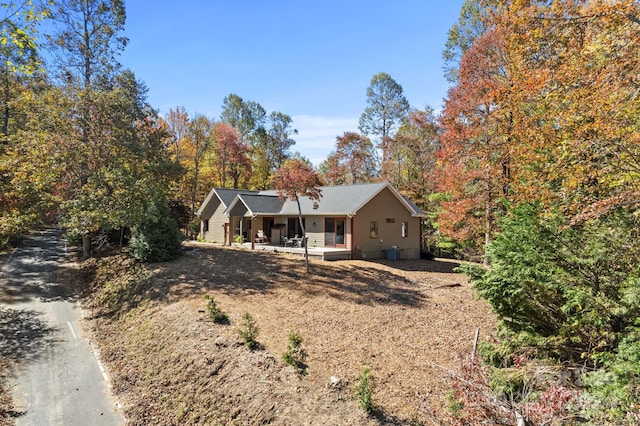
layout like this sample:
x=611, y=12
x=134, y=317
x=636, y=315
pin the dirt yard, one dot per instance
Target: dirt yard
x=170, y=364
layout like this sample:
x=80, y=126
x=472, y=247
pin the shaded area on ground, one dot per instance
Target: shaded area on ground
x=23, y=335
x=31, y=271
x=238, y=271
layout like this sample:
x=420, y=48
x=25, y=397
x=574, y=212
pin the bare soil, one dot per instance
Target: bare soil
x=169, y=363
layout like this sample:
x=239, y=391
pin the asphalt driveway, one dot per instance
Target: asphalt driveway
x=58, y=379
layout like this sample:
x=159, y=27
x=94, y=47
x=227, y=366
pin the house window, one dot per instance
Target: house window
x=373, y=230
x=205, y=225
x=405, y=229
x=390, y=220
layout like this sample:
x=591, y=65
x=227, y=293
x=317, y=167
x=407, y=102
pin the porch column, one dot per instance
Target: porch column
x=251, y=236
x=353, y=243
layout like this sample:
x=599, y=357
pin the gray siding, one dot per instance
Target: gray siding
x=216, y=225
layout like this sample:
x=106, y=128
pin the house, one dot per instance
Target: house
x=362, y=221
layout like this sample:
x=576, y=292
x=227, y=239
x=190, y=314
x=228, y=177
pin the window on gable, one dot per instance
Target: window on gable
x=405, y=229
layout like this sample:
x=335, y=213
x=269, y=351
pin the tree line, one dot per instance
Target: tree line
x=82, y=146
x=539, y=168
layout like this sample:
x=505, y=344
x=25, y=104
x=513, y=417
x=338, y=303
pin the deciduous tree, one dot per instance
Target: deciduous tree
x=200, y=138
x=231, y=154
x=472, y=23
x=19, y=56
x=294, y=180
x=279, y=139
x=85, y=42
x=353, y=161
x=178, y=123
x=474, y=154
x=249, y=119
x=577, y=98
x=414, y=155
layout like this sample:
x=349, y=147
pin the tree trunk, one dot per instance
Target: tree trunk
x=487, y=229
x=5, y=105
x=86, y=246
x=304, y=236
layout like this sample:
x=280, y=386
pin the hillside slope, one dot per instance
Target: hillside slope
x=170, y=364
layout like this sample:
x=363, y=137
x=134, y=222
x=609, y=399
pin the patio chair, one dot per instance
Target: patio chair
x=261, y=238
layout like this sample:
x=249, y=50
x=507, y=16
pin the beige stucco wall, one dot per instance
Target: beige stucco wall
x=386, y=206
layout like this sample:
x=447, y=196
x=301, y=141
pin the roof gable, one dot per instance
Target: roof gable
x=254, y=204
x=224, y=195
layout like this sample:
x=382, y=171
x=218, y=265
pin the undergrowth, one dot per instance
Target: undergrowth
x=120, y=284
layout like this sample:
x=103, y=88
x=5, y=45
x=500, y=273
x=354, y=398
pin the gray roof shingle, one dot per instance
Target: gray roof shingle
x=335, y=200
x=262, y=204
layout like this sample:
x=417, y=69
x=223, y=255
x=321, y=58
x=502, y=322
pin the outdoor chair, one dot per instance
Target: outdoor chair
x=261, y=238
x=287, y=242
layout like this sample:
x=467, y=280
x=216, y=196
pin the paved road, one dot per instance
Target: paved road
x=59, y=380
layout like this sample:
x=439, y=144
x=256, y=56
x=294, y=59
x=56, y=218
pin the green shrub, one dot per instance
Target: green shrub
x=295, y=354
x=365, y=387
x=565, y=292
x=569, y=294
x=474, y=272
x=217, y=315
x=156, y=238
x=248, y=330
x=613, y=392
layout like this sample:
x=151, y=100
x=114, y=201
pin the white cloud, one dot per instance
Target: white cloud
x=316, y=136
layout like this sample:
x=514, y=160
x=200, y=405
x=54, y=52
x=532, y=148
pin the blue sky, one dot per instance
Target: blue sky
x=312, y=60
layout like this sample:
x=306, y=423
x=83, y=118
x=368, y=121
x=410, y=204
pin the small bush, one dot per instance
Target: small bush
x=455, y=406
x=364, y=390
x=217, y=315
x=295, y=354
x=248, y=330
x=156, y=238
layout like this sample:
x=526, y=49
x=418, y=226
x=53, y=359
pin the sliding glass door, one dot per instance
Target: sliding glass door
x=335, y=232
